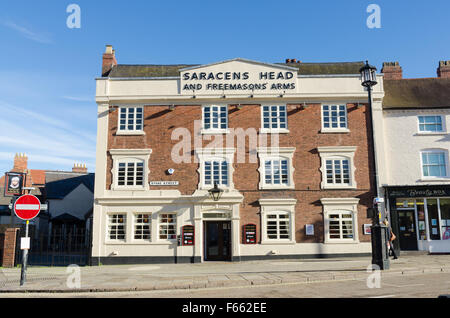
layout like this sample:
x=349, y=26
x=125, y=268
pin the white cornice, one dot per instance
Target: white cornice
x=339, y=149
x=215, y=151
x=277, y=201
x=130, y=152
x=339, y=201
x=276, y=150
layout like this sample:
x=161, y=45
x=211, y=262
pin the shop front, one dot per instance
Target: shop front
x=420, y=217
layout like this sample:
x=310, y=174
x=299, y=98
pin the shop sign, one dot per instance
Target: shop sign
x=237, y=77
x=418, y=192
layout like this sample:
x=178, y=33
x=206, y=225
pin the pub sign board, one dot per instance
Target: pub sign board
x=238, y=76
x=14, y=182
x=188, y=236
x=249, y=234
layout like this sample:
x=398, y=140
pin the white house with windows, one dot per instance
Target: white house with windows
x=413, y=149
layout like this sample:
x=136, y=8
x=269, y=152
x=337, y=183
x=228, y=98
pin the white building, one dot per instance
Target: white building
x=307, y=199
x=413, y=143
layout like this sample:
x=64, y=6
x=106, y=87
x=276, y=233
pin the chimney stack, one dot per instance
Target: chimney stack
x=293, y=61
x=443, y=70
x=79, y=168
x=109, y=60
x=392, y=71
x=20, y=163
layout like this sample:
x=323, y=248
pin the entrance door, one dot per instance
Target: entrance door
x=407, y=230
x=217, y=240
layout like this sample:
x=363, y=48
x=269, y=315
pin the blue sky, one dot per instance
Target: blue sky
x=48, y=71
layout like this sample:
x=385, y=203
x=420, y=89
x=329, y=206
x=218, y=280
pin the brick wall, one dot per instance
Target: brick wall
x=304, y=125
x=9, y=247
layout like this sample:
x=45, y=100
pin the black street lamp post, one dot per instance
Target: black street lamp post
x=380, y=250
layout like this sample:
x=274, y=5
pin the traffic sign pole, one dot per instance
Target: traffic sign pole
x=27, y=207
x=23, y=271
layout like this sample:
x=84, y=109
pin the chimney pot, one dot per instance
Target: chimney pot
x=79, y=168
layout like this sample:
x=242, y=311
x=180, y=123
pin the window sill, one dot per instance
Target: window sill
x=165, y=242
x=337, y=187
x=118, y=242
x=278, y=242
x=334, y=130
x=341, y=242
x=117, y=188
x=439, y=133
x=273, y=131
x=436, y=179
x=139, y=243
x=214, y=131
x=130, y=133
x=276, y=187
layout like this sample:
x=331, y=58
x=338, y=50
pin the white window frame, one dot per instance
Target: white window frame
x=331, y=129
x=274, y=153
x=271, y=130
x=108, y=224
x=128, y=131
x=340, y=153
x=160, y=224
x=446, y=162
x=276, y=206
x=344, y=206
x=215, y=154
x=426, y=132
x=135, y=224
x=214, y=130
x=129, y=155
x=277, y=220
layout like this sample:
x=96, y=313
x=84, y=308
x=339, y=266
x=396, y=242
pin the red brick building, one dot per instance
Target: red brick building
x=292, y=154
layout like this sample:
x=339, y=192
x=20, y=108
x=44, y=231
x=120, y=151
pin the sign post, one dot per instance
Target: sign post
x=27, y=207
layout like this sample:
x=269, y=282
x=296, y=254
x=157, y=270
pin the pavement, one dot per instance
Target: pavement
x=123, y=278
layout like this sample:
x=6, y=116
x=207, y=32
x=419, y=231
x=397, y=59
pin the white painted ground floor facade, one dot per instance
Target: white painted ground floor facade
x=151, y=229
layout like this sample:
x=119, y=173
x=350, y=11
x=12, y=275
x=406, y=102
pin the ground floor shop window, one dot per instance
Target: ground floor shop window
x=432, y=215
x=445, y=218
x=433, y=219
x=421, y=219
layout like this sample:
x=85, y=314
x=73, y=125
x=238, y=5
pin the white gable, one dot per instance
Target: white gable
x=238, y=76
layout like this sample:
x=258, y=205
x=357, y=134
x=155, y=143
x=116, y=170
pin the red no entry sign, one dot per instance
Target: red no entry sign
x=27, y=207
